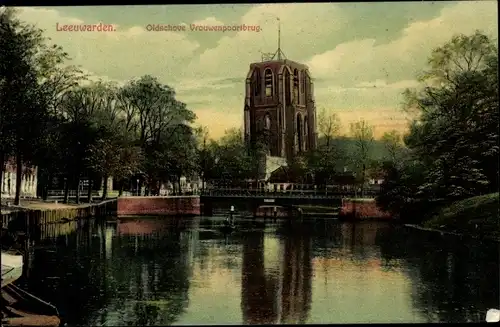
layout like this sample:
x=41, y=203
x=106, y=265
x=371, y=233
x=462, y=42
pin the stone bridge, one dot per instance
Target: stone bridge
x=250, y=201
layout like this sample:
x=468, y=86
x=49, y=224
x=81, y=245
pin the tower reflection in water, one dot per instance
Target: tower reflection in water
x=280, y=295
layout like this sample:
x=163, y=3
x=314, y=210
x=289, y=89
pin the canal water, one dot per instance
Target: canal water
x=172, y=271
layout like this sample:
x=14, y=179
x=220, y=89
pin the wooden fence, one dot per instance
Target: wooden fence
x=23, y=220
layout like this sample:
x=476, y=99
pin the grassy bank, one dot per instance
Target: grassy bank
x=476, y=216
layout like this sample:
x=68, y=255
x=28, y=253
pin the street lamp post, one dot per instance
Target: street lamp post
x=64, y=185
x=138, y=190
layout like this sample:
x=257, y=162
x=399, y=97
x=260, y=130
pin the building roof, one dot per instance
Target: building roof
x=279, y=62
x=273, y=164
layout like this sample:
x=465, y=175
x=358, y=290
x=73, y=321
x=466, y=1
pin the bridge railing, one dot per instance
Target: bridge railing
x=294, y=193
x=59, y=194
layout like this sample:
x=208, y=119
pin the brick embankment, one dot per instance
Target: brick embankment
x=159, y=205
x=362, y=209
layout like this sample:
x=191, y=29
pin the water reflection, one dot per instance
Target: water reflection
x=453, y=280
x=296, y=280
x=150, y=271
x=258, y=290
x=281, y=294
x=170, y=271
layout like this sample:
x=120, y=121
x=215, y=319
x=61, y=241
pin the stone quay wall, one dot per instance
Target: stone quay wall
x=362, y=209
x=159, y=205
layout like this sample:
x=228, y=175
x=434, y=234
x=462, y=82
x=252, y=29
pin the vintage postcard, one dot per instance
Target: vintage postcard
x=281, y=163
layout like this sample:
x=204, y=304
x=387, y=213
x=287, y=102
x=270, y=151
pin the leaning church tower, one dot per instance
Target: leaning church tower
x=280, y=109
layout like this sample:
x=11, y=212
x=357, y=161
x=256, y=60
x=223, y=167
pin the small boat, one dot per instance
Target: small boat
x=20, y=308
x=12, y=268
x=227, y=226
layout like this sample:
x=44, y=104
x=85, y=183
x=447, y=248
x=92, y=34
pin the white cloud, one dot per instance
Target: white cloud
x=354, y=77
x=376, y=84
x=189, y=85
x=122, y=54
x=209, y=21
x=303, y=26
x=363, y=60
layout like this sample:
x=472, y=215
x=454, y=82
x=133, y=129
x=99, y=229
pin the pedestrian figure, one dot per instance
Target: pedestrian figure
x=231, y=214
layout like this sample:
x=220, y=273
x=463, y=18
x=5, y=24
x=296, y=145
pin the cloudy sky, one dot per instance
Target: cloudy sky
x=361, y=55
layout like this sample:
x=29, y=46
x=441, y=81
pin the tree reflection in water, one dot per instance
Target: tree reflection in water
x=453, y=280
x=152, y=274
x=139, y=272
x=62, y=261
x=143, y=281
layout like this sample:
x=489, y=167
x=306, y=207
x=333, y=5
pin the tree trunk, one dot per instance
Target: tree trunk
x=77, y=188
x=89, y=191
x=363, y=181
x=19, y=178
x=42, y=182
x=2, y=176
x=147, y=187
x=120, y=192
x=105, y=188
x=66, y=190
x=48, y=185
x=179, y=184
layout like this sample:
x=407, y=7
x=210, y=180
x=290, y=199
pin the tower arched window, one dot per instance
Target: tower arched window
x=303, y=81
x=296, y=84
x=306, y=133
x=308, y=84
x=267, y=122
x=286, y=81
x=257, y=83
x=299, y=131
x=268, y=79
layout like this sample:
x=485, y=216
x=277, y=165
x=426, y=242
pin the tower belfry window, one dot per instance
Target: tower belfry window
x=303, y=89
x=268, y=77
x=295, y=83
x=257, y=83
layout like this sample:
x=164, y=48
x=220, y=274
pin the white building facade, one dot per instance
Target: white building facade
x=8, y=179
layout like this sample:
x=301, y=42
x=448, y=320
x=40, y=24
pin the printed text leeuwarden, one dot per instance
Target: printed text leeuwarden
x=85, y=27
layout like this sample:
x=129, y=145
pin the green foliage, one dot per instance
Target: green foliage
x=393, y=144
x=50, y=119
x=475, y=215
x=454, y=141
x=233, y=159
x=328, y=126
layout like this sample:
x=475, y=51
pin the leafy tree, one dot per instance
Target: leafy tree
x=323, y=162
x=151, y=111
x=23, y=105
x=455, y=138
x=33, y=71
x=328, y=126
x=297, y=170
x=393, y=144
x=79, y=108
x=233, y=159
x=363, y=134
x=205, y=158
x=458, y=113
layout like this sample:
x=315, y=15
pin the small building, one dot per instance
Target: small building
x=8, y=177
